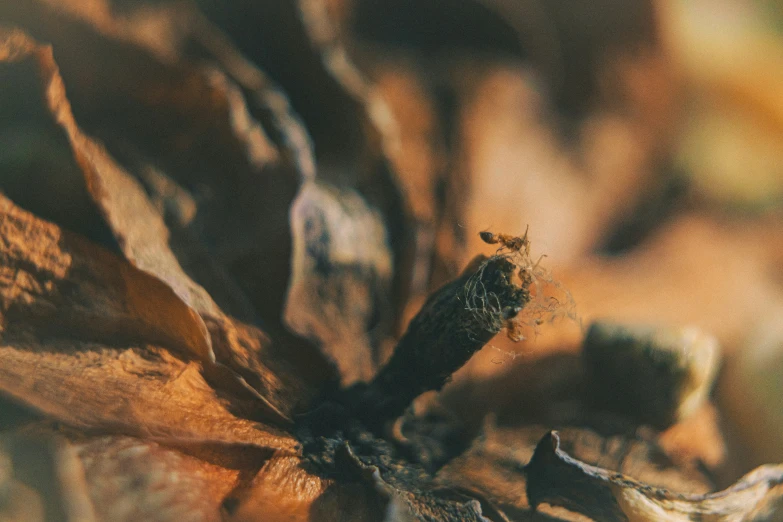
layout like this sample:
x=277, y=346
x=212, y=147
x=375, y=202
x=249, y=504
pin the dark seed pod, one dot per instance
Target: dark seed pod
x=455, y=322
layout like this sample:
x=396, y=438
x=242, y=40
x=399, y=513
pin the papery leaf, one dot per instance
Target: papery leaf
x=56, y=282
x=142, y=391
x=155, y=106
x=264, y=366
x=145, y=240
x=146, y=229
x=77, y=328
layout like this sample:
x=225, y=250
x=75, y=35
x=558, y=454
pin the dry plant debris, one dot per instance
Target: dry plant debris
x=556, y=478
x=231, y=236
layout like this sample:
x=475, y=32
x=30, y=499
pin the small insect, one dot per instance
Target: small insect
x=507, y=241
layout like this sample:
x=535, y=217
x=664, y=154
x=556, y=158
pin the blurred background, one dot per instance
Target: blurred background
x=641, y=142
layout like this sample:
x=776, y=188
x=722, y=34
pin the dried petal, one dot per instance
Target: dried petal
x=136, y=390
x=144, y=239
x=153, y=106
x=143, y=231
x=56, y=282
x=63, y=301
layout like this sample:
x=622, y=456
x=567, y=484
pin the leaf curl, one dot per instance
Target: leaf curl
x=75, y=318
x=143, y=231
x=269, y=374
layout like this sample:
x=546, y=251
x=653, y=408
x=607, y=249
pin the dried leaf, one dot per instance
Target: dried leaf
x=556, y=478
x=298, y=50
x=123, y=478
x=180, y=113
x=63, y=301
x=187, y=325
x=144, y=391
x=144, y=239
x=283, y=377
x=244, y=256
x=57, y=282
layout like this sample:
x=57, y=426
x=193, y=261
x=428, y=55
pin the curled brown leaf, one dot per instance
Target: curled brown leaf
x=63, y=300
x=144, y=239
